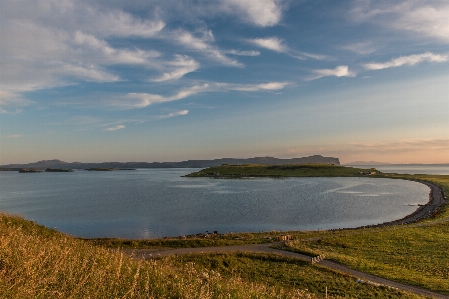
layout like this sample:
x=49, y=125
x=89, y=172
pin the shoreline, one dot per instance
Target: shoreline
x=437, y=200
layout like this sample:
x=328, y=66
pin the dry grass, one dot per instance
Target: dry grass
x=36, y=262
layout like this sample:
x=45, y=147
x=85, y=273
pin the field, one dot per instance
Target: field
x=36, y=262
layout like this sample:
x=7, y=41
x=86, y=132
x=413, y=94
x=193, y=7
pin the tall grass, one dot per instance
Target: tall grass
x=36, y=262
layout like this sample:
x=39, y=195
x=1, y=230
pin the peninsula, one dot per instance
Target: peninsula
x=287, y=170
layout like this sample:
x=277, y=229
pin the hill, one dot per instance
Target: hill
x=317, y=159
x=288, y=170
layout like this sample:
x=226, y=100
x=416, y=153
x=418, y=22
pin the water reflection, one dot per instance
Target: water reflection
x=159, y=202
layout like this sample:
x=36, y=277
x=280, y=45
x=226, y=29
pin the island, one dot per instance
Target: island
x=286, y=170
x=58, y=170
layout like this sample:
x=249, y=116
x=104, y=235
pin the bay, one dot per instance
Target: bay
x=153, y=203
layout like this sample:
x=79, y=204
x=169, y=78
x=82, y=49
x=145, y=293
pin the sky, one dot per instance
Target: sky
x=169, y=80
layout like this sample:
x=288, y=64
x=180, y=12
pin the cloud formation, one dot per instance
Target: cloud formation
x=261, y=13
x=270, y=43
x=59, y=43
x=142, y=100
x=202, y=45
x=422, y=18
x=339, y=71
x=181, y=66
x=115, y=128
x=362, y=48
x=174, y=114
x=277, y=45
x=407, y=60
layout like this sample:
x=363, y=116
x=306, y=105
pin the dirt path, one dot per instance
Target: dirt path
x=266, y=248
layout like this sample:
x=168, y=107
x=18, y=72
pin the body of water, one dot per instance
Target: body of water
x=439, y=169
x=150, y=203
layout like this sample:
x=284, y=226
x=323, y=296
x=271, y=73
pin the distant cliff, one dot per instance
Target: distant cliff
x=316, y=159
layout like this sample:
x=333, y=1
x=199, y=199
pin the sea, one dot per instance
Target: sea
x=438, y=169
x=154, y=203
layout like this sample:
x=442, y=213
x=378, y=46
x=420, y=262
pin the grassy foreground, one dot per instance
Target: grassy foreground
x=36, y=262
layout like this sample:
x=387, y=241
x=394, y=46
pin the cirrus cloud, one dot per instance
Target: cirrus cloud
x=407, y=60
x=277, y=45
x=142, y=100
x=422, y=18
x=339, y=71
x=182, y=65
x=174, y=114
x=270, y=43
x=115, y=128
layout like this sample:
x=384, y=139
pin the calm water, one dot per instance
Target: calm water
x=442, y=169
x=149, y=203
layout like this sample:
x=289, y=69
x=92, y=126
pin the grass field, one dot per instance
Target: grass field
x=36, y=262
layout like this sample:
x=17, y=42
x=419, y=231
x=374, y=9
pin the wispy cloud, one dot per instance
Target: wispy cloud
x=11, y=100
x=174, y=114
x=142, y=100
x=71, y=43
x=182, y=65
x=339, y=71
x=270, y=43
x=257, y=87
x=202, y=45
x=105, y=53
x=407, y=60
x=362, y=48
x=422, y=18
x=13, y=136
x=243, y=53
x=115, y=128
x=277, y=44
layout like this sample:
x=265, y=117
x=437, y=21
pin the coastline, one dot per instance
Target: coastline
x=436, y=201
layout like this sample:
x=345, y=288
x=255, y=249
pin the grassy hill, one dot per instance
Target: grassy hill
x=288, y=170
x=37, y=262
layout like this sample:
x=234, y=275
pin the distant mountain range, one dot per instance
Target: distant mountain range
x=316, y=159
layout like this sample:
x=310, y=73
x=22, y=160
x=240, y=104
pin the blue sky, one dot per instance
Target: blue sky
x=97, y=81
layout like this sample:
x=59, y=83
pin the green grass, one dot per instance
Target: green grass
x=415, y=254
x=283, y=272
x=36, y=262
x=228, y=239
x=290, y=170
